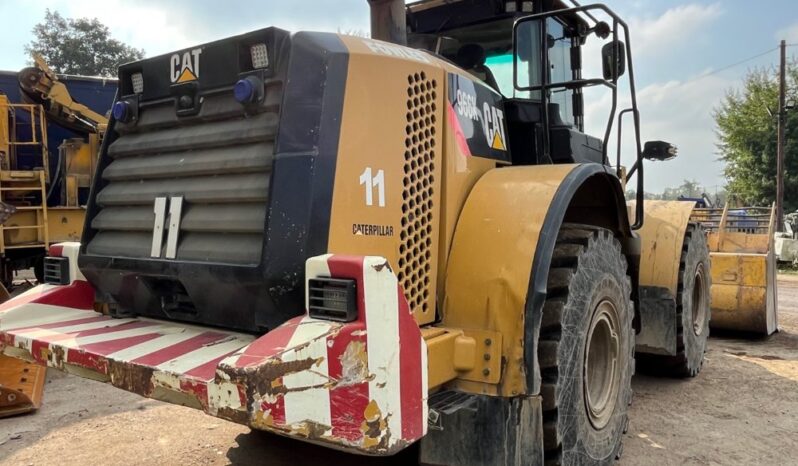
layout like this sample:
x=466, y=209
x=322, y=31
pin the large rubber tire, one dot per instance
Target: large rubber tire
x=693, y=309
x=588, y=270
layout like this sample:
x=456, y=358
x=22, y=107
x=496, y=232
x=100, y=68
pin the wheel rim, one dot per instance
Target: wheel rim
x=601, y=371
x=699, y=309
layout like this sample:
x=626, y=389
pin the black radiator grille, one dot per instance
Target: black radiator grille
x=220, y=167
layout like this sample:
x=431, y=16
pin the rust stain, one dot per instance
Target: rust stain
x=354, y=365
x=376, y=434
x=235, y=415
x=131, y=377
x=380, y=267
x=56, y=356
x=266, y=379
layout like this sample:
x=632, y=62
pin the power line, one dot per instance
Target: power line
x=719, y=70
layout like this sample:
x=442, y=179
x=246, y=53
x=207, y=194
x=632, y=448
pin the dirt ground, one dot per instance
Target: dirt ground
x=741, y=409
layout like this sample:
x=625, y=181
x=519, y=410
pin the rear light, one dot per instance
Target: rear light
x=260, y=56
x=332, y=299
x=138, y=82
x=56, y=270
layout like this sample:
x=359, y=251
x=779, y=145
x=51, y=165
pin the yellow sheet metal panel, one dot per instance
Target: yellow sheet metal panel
x=5, y=134
x=741, y=242
x=739, y=269
x=744, y=295
x=661, y=239
x=21, y=386
x=386, y=199
x=491, y=258
x=65, y=223
x=380, y=130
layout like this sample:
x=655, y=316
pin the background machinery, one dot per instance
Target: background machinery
x=744, y=285
x=48, y=152
x=368, y=246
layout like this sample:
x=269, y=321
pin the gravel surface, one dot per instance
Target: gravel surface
x=741, y=409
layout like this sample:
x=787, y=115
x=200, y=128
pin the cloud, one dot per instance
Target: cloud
x=676, y=27
x=790, y=34
x=680, y=112
x=160, y=27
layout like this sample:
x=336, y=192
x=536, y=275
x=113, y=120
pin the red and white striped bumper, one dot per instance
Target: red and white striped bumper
x=359, y=386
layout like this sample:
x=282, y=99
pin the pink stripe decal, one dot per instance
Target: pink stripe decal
x=162, y=355
x=459, y=136
x=206, y=371
x=107, y=347
x=96, y=331
x=348, y=403
x=198, y=389
x=67, y=323
x=269, y=345
x=56, y=250
x=348, y=400
x=93, y=361
x=411, y=372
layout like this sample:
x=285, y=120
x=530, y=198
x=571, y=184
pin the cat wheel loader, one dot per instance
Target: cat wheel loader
x=373, y=244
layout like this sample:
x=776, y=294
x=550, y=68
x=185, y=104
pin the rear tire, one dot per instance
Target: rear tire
x=586, y=348
x=692, y=306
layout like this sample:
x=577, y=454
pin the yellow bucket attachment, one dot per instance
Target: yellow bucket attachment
x=21, y=386
x=743, y=267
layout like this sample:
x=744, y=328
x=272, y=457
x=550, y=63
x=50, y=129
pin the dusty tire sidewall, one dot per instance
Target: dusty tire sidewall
x=697, y=254
x=601, y=275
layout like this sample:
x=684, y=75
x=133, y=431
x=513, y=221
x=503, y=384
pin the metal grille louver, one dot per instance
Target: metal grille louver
x=221, y=166
x=415, y=250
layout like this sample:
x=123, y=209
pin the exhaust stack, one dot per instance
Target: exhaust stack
x=388, y=21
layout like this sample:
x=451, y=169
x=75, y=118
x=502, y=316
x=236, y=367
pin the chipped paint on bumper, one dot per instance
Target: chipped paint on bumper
x=359, y=386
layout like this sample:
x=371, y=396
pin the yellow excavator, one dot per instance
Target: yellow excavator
x=27, y=224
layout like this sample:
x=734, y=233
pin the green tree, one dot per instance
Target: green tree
x=688, y=188
x=79, y=46
x=746, y=127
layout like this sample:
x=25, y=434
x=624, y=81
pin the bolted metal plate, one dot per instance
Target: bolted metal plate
x=21, y=386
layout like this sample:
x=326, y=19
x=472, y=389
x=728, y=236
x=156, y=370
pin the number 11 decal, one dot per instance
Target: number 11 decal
x=371, y=182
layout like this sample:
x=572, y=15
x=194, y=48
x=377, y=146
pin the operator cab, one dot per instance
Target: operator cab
x=544, y=126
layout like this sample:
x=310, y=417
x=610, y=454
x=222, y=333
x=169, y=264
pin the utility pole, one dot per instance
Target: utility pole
x=780, y=143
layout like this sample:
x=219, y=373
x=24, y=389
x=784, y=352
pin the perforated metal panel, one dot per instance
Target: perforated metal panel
x=416, y=250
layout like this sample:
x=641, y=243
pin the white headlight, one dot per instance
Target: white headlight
x=260, y=55
x=138, y=82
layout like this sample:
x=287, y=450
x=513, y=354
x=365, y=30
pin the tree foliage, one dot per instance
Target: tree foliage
x=747, y=134
x=80, y=46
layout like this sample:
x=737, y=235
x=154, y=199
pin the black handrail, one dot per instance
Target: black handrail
x=613, y=85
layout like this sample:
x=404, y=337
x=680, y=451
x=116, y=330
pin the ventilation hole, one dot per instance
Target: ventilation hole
x=417, y=201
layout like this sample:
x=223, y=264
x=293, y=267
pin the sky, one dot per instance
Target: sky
x=681, y=49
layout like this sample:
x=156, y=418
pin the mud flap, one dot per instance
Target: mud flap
x=359, y=386
x=479, y=430
x=21, y=386
x=657, y=322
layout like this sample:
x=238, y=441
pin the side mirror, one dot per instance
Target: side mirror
x=612, y=69
x=659, y=151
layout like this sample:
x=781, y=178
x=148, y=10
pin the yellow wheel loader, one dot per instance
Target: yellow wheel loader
x=370, y=246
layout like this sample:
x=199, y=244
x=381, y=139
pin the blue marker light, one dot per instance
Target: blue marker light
x=244, y=91
x=121, y=111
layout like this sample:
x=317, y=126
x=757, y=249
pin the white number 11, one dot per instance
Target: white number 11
x=371, y=182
